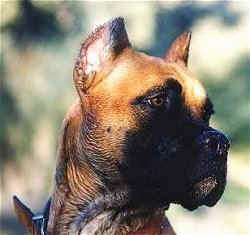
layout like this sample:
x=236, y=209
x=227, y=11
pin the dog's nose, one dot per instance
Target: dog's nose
x=214, y=142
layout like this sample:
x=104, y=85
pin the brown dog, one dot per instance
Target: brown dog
x=137, y=140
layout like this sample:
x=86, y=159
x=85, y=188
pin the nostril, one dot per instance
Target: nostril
x=226, y=144
x=207, y=141
x=214, y=142
x=220, y=146
x=221, y=151
x=211, y=143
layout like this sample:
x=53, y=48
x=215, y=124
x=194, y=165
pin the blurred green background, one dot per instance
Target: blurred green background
x=41, y=39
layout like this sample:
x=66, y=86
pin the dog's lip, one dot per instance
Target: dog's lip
x=204, y=187
x=204, y=192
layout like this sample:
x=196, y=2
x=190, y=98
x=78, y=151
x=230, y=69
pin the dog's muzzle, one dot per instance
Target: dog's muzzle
x=207, y=177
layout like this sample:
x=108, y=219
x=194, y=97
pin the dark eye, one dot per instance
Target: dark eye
x=207, y=115
x=156, y=102
x=208, y=111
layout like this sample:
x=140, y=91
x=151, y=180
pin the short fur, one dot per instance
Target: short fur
x=137, y=139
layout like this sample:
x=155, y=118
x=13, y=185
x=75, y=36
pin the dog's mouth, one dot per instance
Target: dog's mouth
x=203, y=188
x=205, y=192
x=207, y=178
x=206, y=184
x=189, y=172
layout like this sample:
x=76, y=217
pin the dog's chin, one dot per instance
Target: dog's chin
x=206, y=192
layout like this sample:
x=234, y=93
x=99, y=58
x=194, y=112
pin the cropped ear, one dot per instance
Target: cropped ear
x=103, y=45
x=178, y=52
x=24, y=214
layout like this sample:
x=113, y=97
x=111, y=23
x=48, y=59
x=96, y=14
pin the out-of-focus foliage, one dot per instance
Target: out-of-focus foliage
x=35, y=24
x=13, y=124
x=39, y=41
x=231, y=97
x=172, y=22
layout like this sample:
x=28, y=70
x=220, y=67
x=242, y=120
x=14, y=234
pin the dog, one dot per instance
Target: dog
x=137, y=139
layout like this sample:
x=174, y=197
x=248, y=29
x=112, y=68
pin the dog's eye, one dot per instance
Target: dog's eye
x=156, y=102
x=208, y=111
x=207, y=115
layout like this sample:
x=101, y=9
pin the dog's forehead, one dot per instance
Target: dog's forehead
x=136, y=73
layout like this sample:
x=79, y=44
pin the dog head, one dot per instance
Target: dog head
x=146, y=121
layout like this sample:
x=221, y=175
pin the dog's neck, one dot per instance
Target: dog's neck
x=74, y=220
x=72, y=211
x=154, y=224
x=76, y=184
x=81, y=204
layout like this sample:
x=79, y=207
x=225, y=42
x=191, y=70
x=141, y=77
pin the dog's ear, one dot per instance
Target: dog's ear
x=103, y=45
x=24, y=214
x=178, y=52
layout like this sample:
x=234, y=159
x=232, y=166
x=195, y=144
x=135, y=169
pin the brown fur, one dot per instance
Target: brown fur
x=103, y=103
x=92, y=193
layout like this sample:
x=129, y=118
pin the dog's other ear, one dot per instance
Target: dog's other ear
x=24, y=214
x=178, y=52
x=103, y=45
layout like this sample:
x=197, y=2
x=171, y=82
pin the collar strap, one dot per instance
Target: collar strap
x=40, y=221
x=39, y=224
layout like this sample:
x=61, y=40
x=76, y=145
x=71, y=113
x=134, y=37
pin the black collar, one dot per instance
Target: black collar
x=40, y=221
